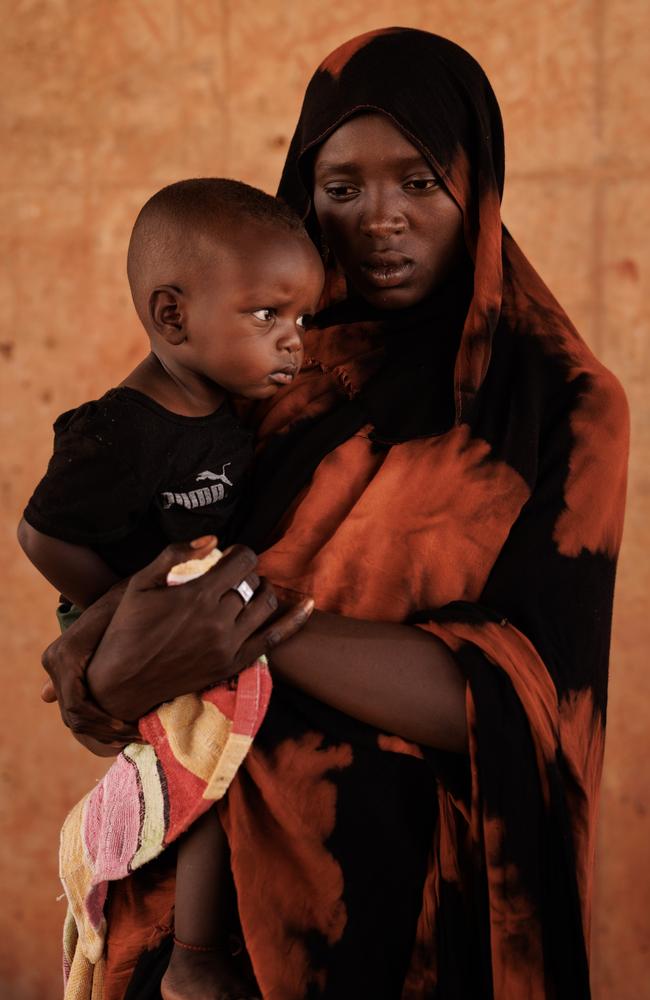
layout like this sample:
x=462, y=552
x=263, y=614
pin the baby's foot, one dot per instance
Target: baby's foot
x=204, y=975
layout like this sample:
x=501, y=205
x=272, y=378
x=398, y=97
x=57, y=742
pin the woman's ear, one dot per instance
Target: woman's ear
x=167, y=313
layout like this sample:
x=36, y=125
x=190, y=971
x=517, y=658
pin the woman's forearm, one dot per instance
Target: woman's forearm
x=397, y=678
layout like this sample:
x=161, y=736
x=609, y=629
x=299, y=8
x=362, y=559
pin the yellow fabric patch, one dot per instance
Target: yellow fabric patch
x=152, y=831
x=197, y=733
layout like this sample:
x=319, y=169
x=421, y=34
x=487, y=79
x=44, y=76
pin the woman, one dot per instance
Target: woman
x=446, y=478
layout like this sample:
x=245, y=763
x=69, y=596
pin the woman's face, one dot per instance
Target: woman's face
x=389, y=222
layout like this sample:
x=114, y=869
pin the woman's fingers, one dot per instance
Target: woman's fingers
x=289, y=623
x=258, y=610
x=237, y=598
x=80, y=715
x=266, y=639
x=234, y=566
x=83, y=716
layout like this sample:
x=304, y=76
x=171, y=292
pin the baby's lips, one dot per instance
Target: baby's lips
x=282, y=378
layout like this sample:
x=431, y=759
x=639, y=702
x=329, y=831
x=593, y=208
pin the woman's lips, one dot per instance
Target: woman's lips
x=387, y=271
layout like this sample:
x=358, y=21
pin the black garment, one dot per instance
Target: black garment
x=506, y=914
x=529, y=463
x=128, y=476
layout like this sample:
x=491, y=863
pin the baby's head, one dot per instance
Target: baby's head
x=224, y=279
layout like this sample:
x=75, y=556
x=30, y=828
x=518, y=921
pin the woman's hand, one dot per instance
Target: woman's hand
x=164, y=641
x=66, y=659
x=100, y=748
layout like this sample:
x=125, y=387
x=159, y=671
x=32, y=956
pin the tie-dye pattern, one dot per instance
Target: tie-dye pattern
x=366, y=867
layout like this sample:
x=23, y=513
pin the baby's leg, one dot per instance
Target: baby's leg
x=201, y=966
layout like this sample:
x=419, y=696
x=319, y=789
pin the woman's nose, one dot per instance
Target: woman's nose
x=381, y=217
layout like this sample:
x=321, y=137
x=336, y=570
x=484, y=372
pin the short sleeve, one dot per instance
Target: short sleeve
x=90, y=495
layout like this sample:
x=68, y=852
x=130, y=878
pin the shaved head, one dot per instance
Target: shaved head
x=178, y=229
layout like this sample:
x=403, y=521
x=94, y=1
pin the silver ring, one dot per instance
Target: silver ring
x=244, y=590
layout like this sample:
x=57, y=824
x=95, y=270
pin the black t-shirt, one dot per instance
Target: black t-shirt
x=128, y=476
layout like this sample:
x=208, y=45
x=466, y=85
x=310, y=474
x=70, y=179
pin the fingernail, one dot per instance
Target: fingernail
x=272, y=601
x=199, y=543
x=308, y=605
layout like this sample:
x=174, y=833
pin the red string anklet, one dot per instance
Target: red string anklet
x=194, y=947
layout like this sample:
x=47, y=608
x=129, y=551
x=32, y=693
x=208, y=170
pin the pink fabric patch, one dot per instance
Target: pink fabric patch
x=112, y=820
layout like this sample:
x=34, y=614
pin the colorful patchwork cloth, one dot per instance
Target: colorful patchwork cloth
x=150, y=795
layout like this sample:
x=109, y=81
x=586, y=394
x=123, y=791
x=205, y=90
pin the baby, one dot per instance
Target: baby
x=224, y=279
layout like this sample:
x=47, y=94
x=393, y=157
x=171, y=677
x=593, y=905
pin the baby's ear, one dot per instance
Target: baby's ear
x=166, y=313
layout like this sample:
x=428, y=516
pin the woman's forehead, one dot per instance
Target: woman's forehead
x=365, y=138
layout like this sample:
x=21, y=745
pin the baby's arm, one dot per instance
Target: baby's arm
x=75, y=570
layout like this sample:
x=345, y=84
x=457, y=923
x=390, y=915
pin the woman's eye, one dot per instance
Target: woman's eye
x=266, y=315
x=304, y=322
x=339, y=192
x=423, y=184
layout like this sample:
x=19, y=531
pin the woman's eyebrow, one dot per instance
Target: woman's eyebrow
x=328, y=166
x=323, y=166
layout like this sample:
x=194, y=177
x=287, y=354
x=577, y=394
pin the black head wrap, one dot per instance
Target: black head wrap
x=440, y=98
x=436, y=352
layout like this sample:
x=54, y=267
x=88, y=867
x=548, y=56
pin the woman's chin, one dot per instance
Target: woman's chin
x=397, y=297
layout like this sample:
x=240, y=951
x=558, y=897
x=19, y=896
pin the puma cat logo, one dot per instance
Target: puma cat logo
x=205, y=496
x=221, y=477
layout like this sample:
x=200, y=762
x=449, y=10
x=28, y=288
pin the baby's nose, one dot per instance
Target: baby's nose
x=290, y=338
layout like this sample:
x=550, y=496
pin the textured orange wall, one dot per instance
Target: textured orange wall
x=107, y=100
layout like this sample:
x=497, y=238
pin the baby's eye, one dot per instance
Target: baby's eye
x=304, y=322
x=339, y=192
x=423, y=184
x=266, y=315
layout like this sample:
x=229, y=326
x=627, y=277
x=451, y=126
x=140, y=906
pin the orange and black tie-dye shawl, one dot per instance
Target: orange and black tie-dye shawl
x=460, y=467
